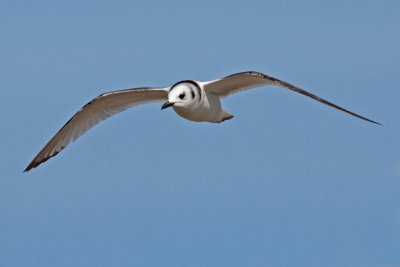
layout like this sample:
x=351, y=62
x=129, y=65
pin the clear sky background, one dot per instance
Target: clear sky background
x=287, y=182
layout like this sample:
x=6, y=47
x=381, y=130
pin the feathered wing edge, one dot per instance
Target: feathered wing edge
x=246, y=80
x=100, y=108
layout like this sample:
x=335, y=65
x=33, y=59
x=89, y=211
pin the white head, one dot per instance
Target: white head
x=183, y=94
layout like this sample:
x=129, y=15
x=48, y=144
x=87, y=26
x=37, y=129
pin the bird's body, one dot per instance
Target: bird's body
x=193, y=100
x=201, y=105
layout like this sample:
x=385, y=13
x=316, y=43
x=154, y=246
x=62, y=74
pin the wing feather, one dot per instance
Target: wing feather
x=100, y=108
x=251, y=79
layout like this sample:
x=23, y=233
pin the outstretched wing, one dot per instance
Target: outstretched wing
x=100, y=108
x=250, y=79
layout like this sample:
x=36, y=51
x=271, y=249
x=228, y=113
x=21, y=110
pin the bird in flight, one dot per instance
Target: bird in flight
x=193, y=100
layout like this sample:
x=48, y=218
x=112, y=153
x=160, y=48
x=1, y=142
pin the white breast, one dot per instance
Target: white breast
x=208, y=109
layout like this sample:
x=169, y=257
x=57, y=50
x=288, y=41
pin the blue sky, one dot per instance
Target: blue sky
x=287, y=182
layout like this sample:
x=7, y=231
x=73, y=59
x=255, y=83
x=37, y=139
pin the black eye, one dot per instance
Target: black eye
x=182, y=96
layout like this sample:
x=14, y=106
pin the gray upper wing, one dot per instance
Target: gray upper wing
x=100, y=108
x=246, y=80
x=237, y=82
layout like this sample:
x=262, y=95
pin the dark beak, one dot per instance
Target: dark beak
x=167, y=105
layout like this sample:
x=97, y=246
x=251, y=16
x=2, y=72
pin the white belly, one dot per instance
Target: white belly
x=208, y=109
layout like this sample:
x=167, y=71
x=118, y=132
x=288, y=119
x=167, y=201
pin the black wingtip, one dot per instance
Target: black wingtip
x=30, y=167
x=363, y=118
x=380, y=124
